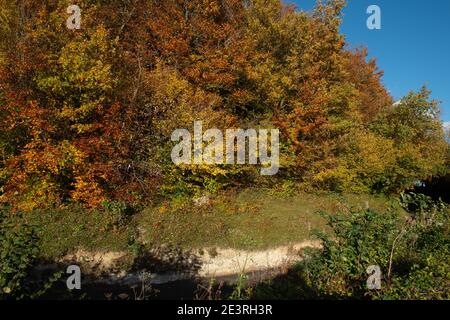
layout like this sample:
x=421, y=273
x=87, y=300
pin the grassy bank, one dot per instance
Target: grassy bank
x=251, y=219
x=247, y=220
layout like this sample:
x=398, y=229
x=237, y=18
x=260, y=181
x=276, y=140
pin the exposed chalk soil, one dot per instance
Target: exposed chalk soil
x=230, y=262
x=204, y=264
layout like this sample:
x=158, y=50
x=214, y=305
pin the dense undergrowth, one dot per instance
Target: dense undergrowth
x=410, y=246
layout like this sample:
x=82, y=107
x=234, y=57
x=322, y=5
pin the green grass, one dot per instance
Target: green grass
x=251, y=219
x=66, y=230
x=247, y=220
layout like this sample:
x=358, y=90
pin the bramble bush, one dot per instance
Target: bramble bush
x=412, y=252
x=19, y=249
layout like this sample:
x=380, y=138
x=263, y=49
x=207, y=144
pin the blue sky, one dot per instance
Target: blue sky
x=412, y=47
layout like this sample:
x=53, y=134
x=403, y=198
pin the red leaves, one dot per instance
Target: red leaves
x=91, y=112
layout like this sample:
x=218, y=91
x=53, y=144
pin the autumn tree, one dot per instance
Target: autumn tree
x=86, y=115
x=365, y=75
x=59, y=89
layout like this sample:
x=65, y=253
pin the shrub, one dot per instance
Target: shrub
x=359, y=240
x=412, y=253
x=19, y=248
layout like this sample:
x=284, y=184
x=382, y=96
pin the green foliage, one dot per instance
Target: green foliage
x=422, y=269
x=18, y=253
x=412, y=253
x=117, y=213
x=241, y=290
x=19, y=250
x=414, y=127
x=424, y=208
x=359, y=239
